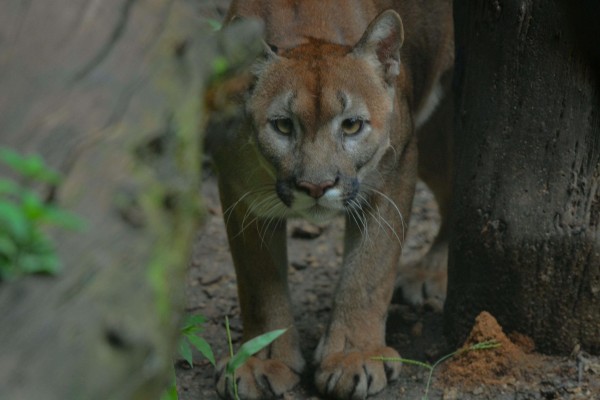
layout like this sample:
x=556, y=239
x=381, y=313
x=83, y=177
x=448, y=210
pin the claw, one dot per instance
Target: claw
x=389, y=371
x=369, y=377
x=355, y=375
x=264, y=380
x=258, y=379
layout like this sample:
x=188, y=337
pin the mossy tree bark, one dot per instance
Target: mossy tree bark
x=526, y=229
x=110, y=94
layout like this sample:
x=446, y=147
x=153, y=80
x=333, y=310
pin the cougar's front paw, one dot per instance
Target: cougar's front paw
x=355, y=374
x=424, y=282
x=256, y=379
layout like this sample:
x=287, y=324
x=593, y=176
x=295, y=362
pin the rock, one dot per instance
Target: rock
x=299, y=266
x=306, y=230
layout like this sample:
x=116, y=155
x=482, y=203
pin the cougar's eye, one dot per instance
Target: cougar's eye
x=283, y=125
x=352, y=126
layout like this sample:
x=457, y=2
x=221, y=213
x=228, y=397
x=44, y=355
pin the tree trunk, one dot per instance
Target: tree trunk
x=109, y=93
x=526, y=228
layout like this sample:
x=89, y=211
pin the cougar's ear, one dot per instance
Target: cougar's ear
x=268, y=55
x=382, y=42
x=269, y=51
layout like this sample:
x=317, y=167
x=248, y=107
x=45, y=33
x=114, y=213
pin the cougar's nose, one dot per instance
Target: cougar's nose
x=314, y=190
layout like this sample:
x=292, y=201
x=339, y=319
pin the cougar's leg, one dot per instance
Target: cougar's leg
x=425, y=281
x=258, y=247
x=356, y=333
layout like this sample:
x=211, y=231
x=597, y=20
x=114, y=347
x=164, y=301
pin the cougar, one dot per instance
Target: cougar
x=338, y=120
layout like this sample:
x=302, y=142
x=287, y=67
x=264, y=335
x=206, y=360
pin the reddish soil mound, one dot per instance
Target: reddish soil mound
x=500, y=365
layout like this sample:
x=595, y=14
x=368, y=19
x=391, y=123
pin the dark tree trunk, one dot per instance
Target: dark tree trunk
x=110, y=94
x=526, y=228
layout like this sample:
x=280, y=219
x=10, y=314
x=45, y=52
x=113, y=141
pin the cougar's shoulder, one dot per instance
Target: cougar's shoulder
x=289, y=24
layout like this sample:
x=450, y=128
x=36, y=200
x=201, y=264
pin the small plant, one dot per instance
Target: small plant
x=214, y=24
x=170, y=393
x=490, y=344
x=190, y=331
x=192, y=327
x=246, y=351
x=24, y=246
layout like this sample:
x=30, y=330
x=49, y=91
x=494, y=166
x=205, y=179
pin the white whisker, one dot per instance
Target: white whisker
x=357, y=213
x=275, y=203
x=255, y=205
x=395, y=207
x=229, y=210
x=363, y=200
x=400, y=241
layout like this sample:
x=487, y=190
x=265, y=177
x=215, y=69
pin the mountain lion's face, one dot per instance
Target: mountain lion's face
x=321, y=116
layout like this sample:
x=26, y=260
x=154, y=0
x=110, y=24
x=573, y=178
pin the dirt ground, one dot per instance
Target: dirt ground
x=511, y=371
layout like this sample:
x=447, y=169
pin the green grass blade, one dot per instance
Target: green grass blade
x=403, y=361
x=232, y=381
x=228, y=331
x=252, y=347
x=203, y=347
x=489, y=344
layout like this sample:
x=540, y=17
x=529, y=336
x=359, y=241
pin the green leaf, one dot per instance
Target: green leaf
x=12, y=159
x=28, y=263
x=190, y=330
x=63, y=219
x=29, y=166
x=14, y=222
x=8, y=248
x=48, y=176
x=220, y=66
x=193, y=324
x=38, y=243
x=49, y=264
x=170, y=393
x=203, y=347
x=32, y=206
x=9, y=187
x=186, y=352
x=35, y=168
x=194, y=320
x=37, y=255
x=252, y=347
x=38, y=264
x=214, y=24
x=6, y=268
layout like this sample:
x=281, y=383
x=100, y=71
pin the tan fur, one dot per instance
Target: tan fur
x=336, y=63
